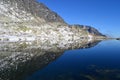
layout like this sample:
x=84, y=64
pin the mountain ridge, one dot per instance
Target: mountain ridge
x=24, y=18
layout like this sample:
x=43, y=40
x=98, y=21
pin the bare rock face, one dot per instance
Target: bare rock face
x=28, y=19
x=27, y=10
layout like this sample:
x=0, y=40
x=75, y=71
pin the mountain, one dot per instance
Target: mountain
x=89, y=29
x=27, y=10
x=29, y=20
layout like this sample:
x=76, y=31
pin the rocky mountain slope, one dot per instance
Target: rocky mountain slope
x=89, y=29
x=27, y=10
x=29, y=20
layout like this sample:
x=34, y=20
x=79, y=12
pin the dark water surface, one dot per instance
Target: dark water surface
x=100, y=62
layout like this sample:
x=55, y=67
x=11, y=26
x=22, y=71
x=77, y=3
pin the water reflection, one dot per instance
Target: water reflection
x=97, y=63
x=19, y=59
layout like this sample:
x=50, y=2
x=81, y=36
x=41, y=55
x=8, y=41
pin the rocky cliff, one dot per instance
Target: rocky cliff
x=29, y=20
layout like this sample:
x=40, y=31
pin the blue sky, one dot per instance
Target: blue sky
x=104, y=15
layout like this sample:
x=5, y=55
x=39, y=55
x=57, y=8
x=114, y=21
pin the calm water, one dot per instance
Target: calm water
x=74, y=60
x=100, y=62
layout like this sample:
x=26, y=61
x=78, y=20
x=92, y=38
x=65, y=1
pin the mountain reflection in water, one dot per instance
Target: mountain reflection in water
x=19, y=59
x=97, y=63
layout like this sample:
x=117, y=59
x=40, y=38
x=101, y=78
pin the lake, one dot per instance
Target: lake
x=97, y=60
x=101, y=62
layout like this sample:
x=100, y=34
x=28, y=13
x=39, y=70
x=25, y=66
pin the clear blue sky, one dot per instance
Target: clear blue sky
x=104, y=15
